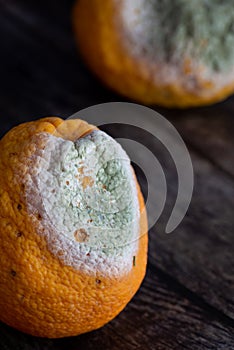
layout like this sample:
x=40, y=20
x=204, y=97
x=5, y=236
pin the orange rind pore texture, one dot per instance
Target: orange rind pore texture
x=39, y=294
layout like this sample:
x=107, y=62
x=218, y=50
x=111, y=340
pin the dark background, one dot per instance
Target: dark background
x=187, y=298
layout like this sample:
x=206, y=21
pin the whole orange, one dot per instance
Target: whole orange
x=73, y=246
x=173, y=53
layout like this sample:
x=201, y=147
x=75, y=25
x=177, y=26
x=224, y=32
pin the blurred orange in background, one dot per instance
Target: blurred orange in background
x=172, y=53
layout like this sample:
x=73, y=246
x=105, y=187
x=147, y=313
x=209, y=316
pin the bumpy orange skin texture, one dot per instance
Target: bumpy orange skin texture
x=101, y=42
x=38, y=295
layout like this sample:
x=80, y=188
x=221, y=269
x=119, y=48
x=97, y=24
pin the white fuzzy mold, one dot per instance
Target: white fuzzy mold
x=86, y=197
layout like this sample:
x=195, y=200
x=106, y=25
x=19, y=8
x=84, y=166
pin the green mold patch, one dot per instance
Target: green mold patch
x=169, y=31
x=90, y=202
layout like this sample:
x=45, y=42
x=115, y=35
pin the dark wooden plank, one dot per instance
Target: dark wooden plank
x=210, y=131
x=41, y=72
x=200, y=252
x=159, y=317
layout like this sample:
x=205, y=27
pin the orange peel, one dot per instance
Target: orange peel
x=43, y=290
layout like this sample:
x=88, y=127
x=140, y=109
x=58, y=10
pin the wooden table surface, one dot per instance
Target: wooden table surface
x=187, y=298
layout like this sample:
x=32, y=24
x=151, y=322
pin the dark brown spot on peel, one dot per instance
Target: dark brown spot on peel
x=19, y=206
x=13, y=273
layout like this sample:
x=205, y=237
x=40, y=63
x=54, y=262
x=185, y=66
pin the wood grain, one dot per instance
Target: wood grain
x=210, y=132
x=200, y=252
